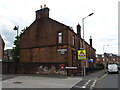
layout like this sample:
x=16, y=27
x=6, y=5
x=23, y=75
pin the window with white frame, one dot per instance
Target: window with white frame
x=60, y=37
x=73, y=40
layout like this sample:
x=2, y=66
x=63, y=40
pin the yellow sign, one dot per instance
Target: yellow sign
x=81, y=54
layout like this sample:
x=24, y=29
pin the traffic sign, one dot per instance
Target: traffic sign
x=81, y=54
x=71, y=67
x=62, y=66
x=90, y=60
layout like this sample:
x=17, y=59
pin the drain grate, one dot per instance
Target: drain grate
x=16, y=82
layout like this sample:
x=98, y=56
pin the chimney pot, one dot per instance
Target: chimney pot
x=91, y=41
x=43, y=12
x=41, y=6
x=79, y=30
x=44, y=5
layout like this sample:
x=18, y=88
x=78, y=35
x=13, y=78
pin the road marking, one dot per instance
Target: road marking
x=93, y=83
x=85, y=85
x=91, y=87
x=78, y=86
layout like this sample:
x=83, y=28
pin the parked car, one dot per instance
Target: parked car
x=113, y=68
x=118, y=65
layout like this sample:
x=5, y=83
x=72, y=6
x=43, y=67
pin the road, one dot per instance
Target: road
x=104, y=82
x=108, y=81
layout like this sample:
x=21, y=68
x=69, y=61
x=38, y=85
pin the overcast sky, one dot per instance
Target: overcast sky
x=102, y=25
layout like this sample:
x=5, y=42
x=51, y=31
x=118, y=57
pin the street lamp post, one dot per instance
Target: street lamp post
x=84, y=66
x=104, y=48
x=16, y=28
x=104, y=55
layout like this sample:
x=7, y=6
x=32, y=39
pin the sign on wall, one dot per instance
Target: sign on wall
x=62, y=51
x=90, y=60
x=81, y=54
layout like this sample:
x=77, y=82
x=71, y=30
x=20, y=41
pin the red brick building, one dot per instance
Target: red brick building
x=2, y=44
x=49, y=41
x=107, y=58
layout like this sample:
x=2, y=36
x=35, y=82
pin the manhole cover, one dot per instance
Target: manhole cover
x=16, y=82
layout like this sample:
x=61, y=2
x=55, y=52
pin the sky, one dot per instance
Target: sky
x=102, y=25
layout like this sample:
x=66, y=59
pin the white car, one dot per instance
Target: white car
x=113, y=68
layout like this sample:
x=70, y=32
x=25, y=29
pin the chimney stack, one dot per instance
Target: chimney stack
x=79, y=30
x=91, y=41
x=43, y=12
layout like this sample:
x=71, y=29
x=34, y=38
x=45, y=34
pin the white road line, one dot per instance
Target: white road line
x=91, y=87
x=78, y=86
x=93, y=84
x=85, y=85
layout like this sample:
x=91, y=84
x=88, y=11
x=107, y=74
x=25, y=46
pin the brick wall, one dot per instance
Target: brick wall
x=39, y=42
x=47, y=54
x=33, y=68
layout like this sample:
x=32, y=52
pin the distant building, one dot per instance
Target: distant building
x=99, y=58
x=107, y=58
x=8, y=55
x=2, y=45
x=49, y=41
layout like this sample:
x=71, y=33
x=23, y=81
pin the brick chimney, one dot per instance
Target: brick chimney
x=91, y=41
x=43, y=12
x=79, y=30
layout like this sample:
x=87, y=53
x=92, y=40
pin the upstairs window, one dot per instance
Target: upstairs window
x=78, y=43
x=60, y=37
x=73, y=40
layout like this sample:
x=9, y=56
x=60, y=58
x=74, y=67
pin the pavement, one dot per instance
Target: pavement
x=40, y=82
x=45, y=81
x=96, y=74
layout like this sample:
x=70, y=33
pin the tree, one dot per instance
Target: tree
x=16, y=48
